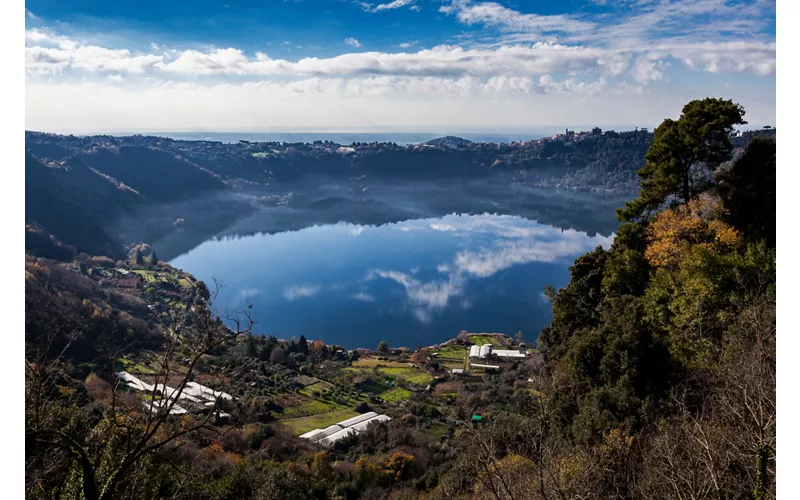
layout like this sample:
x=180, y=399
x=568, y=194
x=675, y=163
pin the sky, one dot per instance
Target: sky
x=401, y=65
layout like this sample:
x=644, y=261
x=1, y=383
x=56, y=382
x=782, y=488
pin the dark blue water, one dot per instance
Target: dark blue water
x=413, y=283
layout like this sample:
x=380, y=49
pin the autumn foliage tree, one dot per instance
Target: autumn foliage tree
x=673, y=232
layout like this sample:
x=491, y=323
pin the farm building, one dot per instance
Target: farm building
x=509, y=353
x=194, y=398
x=335, y=432
x=484, y=350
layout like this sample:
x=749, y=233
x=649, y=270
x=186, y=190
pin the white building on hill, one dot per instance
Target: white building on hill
x=355, y=425
x=484, y=350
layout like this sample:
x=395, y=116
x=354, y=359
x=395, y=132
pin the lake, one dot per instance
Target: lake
x=417, y=282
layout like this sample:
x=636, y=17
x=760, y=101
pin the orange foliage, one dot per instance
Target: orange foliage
x=215, y=457
x=673, y=232
x=398, y=466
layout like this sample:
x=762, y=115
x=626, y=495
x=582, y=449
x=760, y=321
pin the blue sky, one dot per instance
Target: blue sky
x=410, y=65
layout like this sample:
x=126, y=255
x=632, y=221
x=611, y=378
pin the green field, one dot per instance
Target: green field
x=319, y=421
x=408, y=374
x=396, y=395
x=310, y=407
x=452, y=352
x=372, y=362
x=404, y=373
x=484, y=339
x=132, y=366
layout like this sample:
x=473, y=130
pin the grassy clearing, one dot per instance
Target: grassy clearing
x=372, y=362
x=320, y=421
x=450, y=365
x=452, y=353
x=184, y=283
x=133, y=366
x=396, y=395
x=310, y=407
x=408, y=374
x=319, y=386
x=484, y=339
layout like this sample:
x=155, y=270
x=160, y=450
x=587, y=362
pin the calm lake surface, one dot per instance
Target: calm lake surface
x=412, y=283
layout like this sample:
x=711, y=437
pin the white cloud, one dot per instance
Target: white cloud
x=364, y=297
x=68, y=54
x=438, y=226
x=300, y=291
x=356, y=231
x=524, y=69
x=36, y=35
x=52, y=54
x=646, y=70
x=395, y=4
x=494, y=14
x=407, y=45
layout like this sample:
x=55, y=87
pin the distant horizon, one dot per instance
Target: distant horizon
x=401, y=136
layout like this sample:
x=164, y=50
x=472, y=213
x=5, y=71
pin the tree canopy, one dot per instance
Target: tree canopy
x=682, y=152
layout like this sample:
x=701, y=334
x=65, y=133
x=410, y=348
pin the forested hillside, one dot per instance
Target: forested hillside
x=119, y=191
x=655, y=379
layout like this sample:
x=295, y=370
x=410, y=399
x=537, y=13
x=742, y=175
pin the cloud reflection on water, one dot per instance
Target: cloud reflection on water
x=293, y=292
x=515, y=242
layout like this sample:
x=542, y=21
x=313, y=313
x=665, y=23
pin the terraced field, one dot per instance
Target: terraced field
x=452, y=357
x=408, y=374
x=319, y=421
x=308, y=408
x=373, y=362
x=485, y=339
